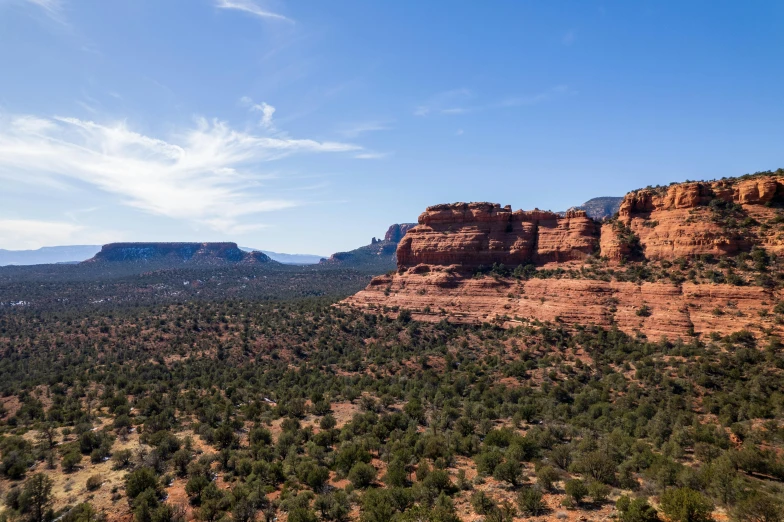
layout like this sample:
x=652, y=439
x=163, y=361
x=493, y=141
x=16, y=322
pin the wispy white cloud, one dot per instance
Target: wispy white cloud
x=372, y=155
x=21, y=234
x=568, y=38
x=86, y=106
x=51, y=8
x=207, y=174
x=248, y=6
x=352, y=130
x=266, y=111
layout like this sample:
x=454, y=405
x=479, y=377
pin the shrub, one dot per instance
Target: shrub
x=530, y=502
x=71, y=460
x=636, y=510
x=94, y=482
x=438, y=481
x=576, y=490
x=546, y=477
x=599, y=466
x=396, y=474
x=759, y=507
x=643, y=311
x=139, y=481
x=83, y=512
x=686, y=505
x=598, y=491
x=482, y=503
x=362, y=475
x=509, y=471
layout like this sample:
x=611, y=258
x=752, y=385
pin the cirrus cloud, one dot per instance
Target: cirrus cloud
x=250, y=7
x=208, y=174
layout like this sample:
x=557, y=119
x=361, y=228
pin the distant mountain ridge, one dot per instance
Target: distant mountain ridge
x=177, y=253
x=601, y=208
x=48, y=255
x=288, y=259
x=379, y=255
x=78, y=253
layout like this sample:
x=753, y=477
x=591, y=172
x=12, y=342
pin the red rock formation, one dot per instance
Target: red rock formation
x=678, y=222
x=436, y=258
x=673, y=311
x=396, y=232
x=474, y=234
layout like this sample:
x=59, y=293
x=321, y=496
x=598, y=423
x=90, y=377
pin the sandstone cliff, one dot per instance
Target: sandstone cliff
x=689, y=219
x=396, y=232
x=475, y=234
x=646, y=271
x=653, y=309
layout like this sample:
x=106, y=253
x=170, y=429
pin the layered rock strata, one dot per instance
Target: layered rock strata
x=438, y=258
x=476, y=234
x=685, y=219
x=653, y=309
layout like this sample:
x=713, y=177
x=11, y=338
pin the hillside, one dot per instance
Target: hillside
x=608, y=375
x=288, y=409
x=688, y=259
x=287, y=259
x=601, y=208
x=379, y=256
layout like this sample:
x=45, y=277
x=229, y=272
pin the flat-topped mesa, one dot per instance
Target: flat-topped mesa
x=481, y=234
x=696, y=218
x=207, y=253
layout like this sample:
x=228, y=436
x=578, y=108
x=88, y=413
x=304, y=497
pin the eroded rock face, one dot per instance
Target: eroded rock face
x=678, y=221
x=475, y=234
x=177, y=252
x=654, y=309
x=396, y=232
x=437, y=258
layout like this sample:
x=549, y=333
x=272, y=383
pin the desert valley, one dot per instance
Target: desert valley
x=391, y=261
x=508, y=364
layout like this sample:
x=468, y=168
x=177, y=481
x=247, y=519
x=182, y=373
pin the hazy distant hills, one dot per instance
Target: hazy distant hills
x=48, y=255
x=379, y=255
x=288, y=259
x=79, y=253
x=600, y=208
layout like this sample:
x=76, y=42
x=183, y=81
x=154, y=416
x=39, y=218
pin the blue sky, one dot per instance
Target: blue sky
x=311, y=126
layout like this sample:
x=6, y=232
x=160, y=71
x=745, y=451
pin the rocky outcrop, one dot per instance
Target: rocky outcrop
x=438, y=258
x=683, y=220
x=396, y=232
x=192, y=253
x=691, y=219
x=378, y=256
x=653, y=309
x=476, y=234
